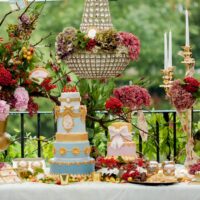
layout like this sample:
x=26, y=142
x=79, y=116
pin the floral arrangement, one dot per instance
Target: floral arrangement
x=24, y=75
x=127, y=99
x=131, y=97
x=183, y=94
x=4, y=110
x=71, y=40
x=194, y=168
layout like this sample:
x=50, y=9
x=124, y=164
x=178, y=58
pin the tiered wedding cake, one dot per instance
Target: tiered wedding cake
x=121, y=143
x=71, y=149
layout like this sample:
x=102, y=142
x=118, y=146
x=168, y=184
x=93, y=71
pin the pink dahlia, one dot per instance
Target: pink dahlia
x=22, y=99
x=132, y=43
x=133, y=97
x=181, y=98
x=4, y=110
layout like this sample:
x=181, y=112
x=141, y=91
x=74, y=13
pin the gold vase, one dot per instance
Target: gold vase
x=4, y=137
x=3, y=125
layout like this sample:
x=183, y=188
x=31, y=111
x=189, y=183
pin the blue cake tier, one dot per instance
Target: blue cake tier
x=72, y=149
x=72, y=166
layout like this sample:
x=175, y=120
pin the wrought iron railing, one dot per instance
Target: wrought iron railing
x=165, y=113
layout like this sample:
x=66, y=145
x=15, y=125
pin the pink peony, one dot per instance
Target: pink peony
x=180, y=98
x=132, y=43
x=22, y=98
x=133, y=97
x=4, y=110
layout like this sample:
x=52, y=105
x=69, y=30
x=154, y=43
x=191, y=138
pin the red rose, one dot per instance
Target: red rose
x=6, y=77
x=114, y=105
x=90, y=45
x=191, y=84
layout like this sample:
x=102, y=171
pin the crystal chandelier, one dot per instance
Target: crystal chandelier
x=100, y=64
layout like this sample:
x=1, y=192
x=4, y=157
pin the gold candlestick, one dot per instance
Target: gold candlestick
x=189, y=62
x=167, y=78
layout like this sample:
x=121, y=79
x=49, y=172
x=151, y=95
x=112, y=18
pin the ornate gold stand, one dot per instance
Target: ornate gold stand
x=191, y=156
x=167, y=78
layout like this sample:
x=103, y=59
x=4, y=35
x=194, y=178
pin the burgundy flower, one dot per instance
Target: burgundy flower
x=181, y=98
x=133, y=97
x=91, y=44
x=132, y=43
x=114, y=105
x=6, y=77
x=55, y=68
x=68, y=78
x=32, y=107
x=191, y=84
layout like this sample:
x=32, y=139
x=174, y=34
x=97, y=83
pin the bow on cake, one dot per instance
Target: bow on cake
x=118, y=136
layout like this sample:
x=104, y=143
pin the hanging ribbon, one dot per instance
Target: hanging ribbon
x=142, y=125
x=119, y=136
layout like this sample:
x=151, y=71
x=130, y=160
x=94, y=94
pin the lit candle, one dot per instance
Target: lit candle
x=170, y=50
x=165, y=52
x=187, y=35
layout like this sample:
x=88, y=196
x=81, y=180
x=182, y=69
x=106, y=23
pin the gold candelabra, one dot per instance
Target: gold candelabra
x=189, y=62
x=168, y=74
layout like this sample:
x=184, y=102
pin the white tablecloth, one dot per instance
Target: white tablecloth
x=98, y=191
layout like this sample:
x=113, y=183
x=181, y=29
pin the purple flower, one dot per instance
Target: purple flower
x=4, y=110
x=22, y=98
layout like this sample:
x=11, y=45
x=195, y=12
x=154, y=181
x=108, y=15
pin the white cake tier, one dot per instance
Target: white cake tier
x=70, y=99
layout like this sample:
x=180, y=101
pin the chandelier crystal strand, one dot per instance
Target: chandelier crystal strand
x=96, y=16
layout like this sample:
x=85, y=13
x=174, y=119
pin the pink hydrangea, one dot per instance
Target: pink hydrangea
x=133, y=97
x=4, y=110
x=22, y=98
x=132, y=43
x=180, y=98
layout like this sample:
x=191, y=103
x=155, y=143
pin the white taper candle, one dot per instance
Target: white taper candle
x=170, y=50
x=165, y=52
x=187, y=34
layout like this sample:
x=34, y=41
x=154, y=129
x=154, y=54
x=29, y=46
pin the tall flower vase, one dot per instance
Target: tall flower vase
x=191, y=156
x=4, y=137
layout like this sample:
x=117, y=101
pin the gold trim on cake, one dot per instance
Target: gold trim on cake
x=62, y=151
x=76, y=151
x=72, y=163
x=118, y=125
x=70, y=111
x=87, y=150
x=71, y=137
x=69, y=100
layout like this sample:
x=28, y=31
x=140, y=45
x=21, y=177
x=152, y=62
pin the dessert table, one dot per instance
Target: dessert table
x=98, y=191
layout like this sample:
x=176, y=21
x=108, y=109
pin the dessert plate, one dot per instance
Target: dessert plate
x=153, y=183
